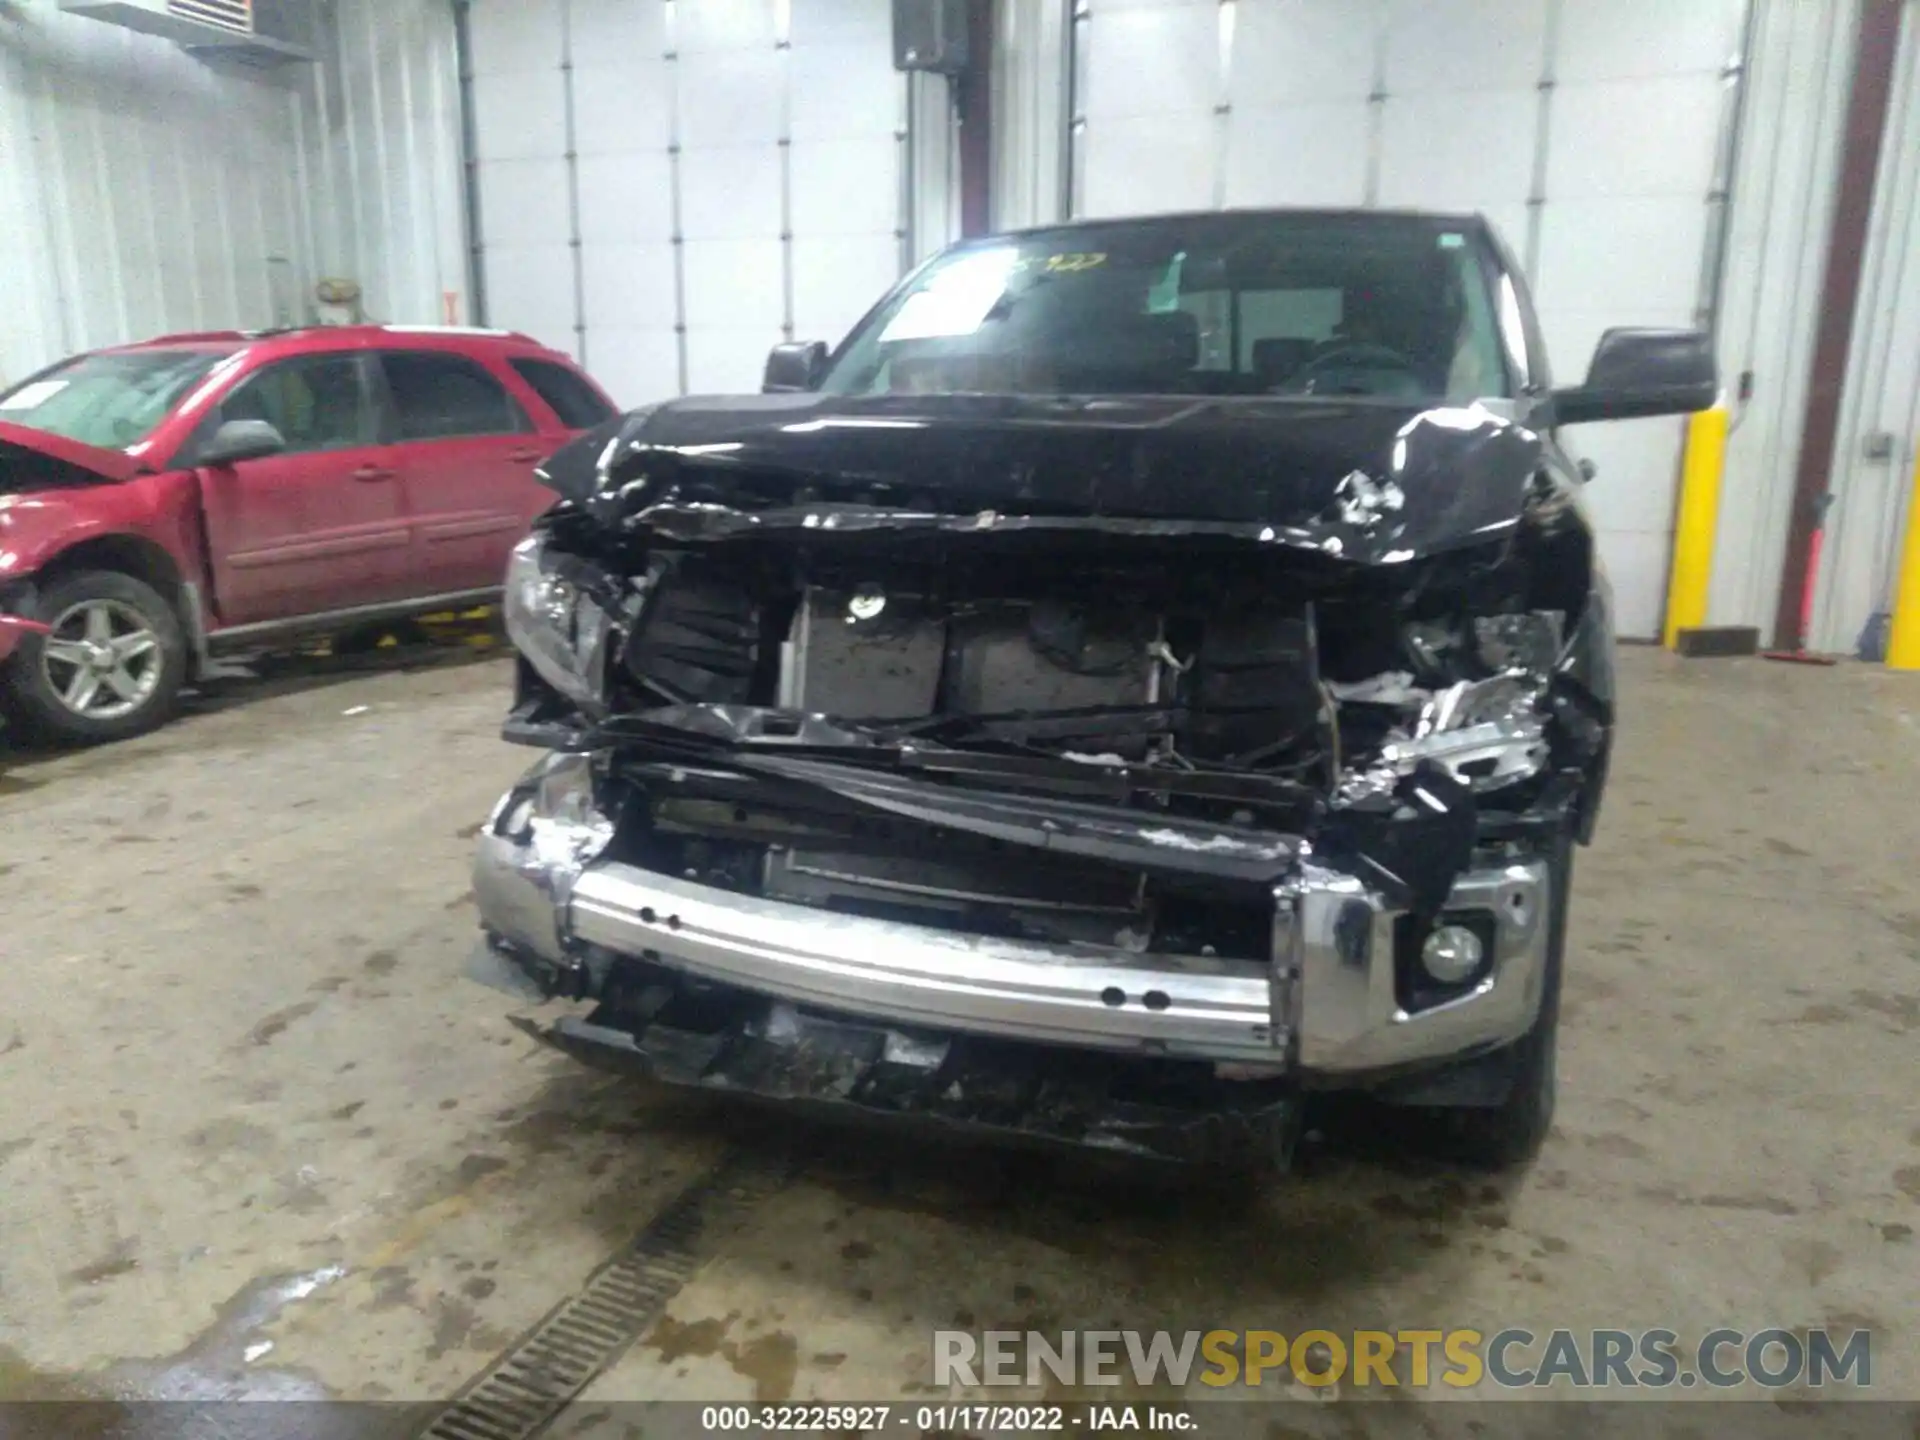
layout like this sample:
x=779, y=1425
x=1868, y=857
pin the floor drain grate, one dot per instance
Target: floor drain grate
x=520, y=1393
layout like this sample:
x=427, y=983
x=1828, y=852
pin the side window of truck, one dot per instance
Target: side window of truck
x=443, y=397
x=316, y=402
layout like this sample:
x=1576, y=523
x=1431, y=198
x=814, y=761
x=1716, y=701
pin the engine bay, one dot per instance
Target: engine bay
x=1117, y=741
x=1333, y=680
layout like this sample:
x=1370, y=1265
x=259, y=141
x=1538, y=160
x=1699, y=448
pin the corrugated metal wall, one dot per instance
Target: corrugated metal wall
x=142, y=191
x=380, y=158
x=1032, y=79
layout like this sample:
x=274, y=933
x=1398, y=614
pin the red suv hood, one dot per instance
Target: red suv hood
x=108, y=464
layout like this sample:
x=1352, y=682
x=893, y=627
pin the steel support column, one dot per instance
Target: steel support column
x=1875, y=46
x=973, y=100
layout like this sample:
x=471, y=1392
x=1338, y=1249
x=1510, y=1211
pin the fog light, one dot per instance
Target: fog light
x=1451, y=954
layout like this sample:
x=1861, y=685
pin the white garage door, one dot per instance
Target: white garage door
x=669, y=187
x=1586, y=130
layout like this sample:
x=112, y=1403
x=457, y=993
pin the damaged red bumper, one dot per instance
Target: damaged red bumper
x=14, y=629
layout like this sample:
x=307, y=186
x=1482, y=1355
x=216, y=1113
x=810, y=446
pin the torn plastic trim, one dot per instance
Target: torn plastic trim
x=1415, y=847
x=534, y=847
x=846, y=1067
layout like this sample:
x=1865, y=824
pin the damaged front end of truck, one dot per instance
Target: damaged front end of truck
x=1103, y=772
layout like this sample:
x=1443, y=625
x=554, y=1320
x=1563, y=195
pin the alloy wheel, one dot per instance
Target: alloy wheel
x=102, y=659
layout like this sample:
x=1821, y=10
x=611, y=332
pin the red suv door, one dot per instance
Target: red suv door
x=323, y=524
x=467, y=450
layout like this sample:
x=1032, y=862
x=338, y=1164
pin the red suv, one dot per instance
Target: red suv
x=203, y=494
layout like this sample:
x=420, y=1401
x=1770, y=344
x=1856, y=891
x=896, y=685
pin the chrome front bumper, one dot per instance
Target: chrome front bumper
x=1324, y=1004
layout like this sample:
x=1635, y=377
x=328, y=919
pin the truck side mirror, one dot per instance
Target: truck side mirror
x=797, y=365
x=1637, y=373
x=239, y=440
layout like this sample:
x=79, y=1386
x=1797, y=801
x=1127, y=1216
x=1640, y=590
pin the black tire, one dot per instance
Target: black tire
x=37, y=704
x=1513, y=1087
x=1509, y=1134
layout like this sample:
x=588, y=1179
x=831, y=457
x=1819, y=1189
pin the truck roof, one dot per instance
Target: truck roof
x=1458, y=219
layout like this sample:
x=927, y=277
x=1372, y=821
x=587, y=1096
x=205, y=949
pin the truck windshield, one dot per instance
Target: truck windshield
x=112, y=398
x=1390, y=307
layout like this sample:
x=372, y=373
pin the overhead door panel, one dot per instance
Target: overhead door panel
x=1464, y=45
x=1632, y=138
x=848, y=133
x=1459, y=110
x=731, y=100
x=1149, y=108
x=1585, y=130
x=520, y=142
x=735, y=179
x=1300, y=122
x=1299, y=155
x=623, y=124
x=1456, y=151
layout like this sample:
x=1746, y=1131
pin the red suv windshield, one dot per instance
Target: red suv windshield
x=112, y=398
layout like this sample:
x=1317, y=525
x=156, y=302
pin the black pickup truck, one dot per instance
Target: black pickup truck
x=1150, y=670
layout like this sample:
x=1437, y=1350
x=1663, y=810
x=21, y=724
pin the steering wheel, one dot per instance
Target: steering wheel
x=1360, y=355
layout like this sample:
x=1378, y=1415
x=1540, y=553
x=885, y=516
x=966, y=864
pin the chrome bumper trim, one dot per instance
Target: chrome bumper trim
x=1325, y=1006
x=1349, y=1018
x=515, y=896
x=917, y=975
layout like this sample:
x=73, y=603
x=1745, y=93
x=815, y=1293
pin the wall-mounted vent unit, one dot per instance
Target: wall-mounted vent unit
x=208, y=29
x=227, y=14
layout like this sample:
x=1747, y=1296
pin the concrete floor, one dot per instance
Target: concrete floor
x=246, y=1101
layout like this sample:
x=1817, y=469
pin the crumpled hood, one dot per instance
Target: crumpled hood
x=20, y=443
x=1364, y=479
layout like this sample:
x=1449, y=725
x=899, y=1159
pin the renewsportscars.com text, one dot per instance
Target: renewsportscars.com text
x=1460, y=1358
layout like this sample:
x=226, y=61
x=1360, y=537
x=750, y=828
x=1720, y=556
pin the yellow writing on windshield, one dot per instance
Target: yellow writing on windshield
x=1067, y=264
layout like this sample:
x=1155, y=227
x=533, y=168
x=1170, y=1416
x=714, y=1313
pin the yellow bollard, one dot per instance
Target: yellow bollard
x=1701, y=468
x=1903, y=641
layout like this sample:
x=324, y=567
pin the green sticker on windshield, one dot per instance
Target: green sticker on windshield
x=1165, y=294
x=1452, y=240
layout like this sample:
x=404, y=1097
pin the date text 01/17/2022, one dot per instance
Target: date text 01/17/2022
x=1002, y=1419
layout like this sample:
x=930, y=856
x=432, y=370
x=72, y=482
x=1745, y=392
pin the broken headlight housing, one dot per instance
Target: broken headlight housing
x=555, y=620
x=1486, y=733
